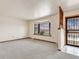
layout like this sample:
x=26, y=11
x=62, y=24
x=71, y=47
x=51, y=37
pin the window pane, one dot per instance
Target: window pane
x=44, y=28
x=73, y=31
x=35, y=28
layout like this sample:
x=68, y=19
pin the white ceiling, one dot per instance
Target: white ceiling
x=32, y=9
x=69, y=5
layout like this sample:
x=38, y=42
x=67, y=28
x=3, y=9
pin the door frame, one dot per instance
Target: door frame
x=66, y=29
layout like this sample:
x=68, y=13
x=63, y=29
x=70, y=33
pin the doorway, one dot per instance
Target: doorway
x=72, y=31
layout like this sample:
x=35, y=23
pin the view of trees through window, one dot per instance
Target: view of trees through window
x=42, y=28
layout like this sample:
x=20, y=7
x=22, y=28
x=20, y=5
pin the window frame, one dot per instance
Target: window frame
x=39, y=29
x=66, y=18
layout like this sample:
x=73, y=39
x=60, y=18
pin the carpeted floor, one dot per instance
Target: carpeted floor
x=31, y=49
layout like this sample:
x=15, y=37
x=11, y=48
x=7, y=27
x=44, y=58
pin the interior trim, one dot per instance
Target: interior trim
x=43, y=40
x=27, y=38
x=13, y=40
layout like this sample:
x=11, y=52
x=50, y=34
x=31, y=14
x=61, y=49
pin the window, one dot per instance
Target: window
x=36, y=29
x=72, y=30
x=42, y=28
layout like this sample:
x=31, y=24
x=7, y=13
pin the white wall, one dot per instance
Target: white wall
x=12, y=28
x=54, y=28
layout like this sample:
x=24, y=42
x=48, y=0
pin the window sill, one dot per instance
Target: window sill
x=42, y=35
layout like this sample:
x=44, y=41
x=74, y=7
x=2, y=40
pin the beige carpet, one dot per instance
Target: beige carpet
x=31, y=49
